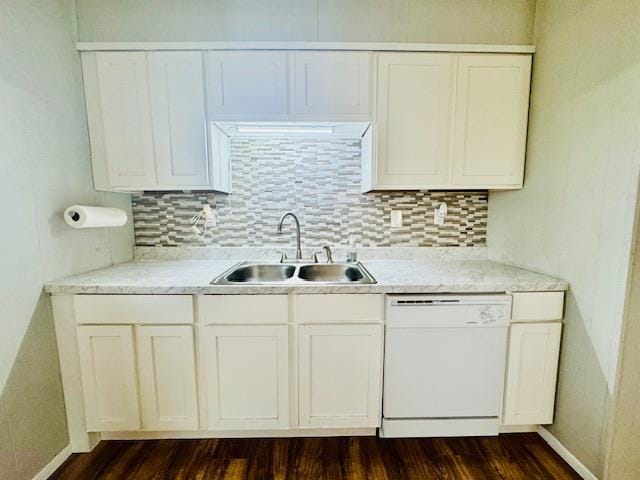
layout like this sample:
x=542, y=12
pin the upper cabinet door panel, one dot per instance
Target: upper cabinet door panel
x=413, y=110
x=246, y=85
x=179, y=117
x=490, y=125
x=332, y=85
x=126, y=118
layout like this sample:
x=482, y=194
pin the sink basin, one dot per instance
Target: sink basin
x=294, y=274
x=331, y=273
x=260, y=273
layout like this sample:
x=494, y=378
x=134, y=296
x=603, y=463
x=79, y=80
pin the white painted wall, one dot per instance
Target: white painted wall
x=44, y=167
x=574, y=218
x=437, y=21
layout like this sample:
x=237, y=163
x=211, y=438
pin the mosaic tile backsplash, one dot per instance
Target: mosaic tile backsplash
x=319, y=180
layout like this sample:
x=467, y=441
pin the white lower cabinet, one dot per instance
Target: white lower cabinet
x=167, y=377
x=160, y=360
x=532, y=367
x=108, y=370
x=247, y=376
x=340, y=375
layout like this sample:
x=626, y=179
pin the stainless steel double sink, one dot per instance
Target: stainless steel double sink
x=258, y=273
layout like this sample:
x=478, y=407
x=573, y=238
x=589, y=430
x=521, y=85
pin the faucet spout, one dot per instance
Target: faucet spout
x=297, y=224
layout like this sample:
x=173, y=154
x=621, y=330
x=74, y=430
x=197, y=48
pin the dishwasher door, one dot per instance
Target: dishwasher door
x=445, y=356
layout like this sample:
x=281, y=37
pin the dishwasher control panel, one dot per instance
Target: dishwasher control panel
x=448, y=310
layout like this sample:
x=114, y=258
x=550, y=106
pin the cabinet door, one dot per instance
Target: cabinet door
x=247, y=377
x=167, y=371
x=107, y=364
x=340, y=375
x=126, y=118
x=414, y=106
x=490, y=127
x=179, y=119
x=248, y=85
x=332, y=85
x=532, y=367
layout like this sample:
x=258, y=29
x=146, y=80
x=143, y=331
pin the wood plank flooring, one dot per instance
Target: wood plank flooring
x=512, y=456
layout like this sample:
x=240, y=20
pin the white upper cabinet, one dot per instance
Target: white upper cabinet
x=179, y=117
x=449, y=121
x=248, y=85
x=127, y=140
x=332, y=86
x=148, y=123
x=490, y=129
x=413, y=111
x=438, y=120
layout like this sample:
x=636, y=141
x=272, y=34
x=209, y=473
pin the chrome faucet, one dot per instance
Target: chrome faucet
x=279, y=232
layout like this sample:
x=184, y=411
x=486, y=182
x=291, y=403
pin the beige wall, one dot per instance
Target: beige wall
x=455, y=21
x=44, y=167
x=624, y=448
x=574, y=218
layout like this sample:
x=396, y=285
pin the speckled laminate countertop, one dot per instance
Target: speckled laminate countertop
x=393, y=276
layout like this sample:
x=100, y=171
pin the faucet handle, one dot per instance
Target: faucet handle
x=315, y=256
x=283, y=256
x=327, y=251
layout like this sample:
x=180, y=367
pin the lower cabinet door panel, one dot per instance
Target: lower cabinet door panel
x=340, y=375
x=247, y=376
x=532, y=367
x=167, y=372
x=107, y=363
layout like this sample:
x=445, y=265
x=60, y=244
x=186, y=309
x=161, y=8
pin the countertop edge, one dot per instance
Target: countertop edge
x=57, y=289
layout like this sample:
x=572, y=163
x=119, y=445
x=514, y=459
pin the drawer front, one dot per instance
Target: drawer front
x=339, y=308
x=244, y=309
x=135, y=309
x=537, y=306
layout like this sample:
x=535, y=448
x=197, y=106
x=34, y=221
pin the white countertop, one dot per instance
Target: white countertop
x=393, y=276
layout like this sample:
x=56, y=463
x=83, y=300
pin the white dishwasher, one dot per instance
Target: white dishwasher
x=444, y=364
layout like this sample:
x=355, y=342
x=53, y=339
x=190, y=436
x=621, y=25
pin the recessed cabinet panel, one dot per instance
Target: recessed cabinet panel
x=179, y=118
x=167, y=372
x=332, y=85
x=126, y=118
x=247, y=377
x=491, y=120
x=248, y=85
x=107, y=364
x=340, y=375
x=532, y=367
x=414, y=106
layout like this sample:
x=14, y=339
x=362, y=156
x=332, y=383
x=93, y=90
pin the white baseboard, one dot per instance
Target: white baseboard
x=566, y=455
x=53, y=465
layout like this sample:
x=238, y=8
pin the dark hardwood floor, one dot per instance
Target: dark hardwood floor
x=513, y=456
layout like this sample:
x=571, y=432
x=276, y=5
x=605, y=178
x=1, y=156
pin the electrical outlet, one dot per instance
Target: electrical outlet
x=439, y=214
x=396, y=218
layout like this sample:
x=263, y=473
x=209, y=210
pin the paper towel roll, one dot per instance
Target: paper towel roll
x=82, y=216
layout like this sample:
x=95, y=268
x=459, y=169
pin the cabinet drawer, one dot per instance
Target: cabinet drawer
x=537, y=306
x=339, y=308
x=140, y=309
x=244, y=309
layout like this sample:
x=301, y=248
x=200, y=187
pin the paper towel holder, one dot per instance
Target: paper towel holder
x=85, y=216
